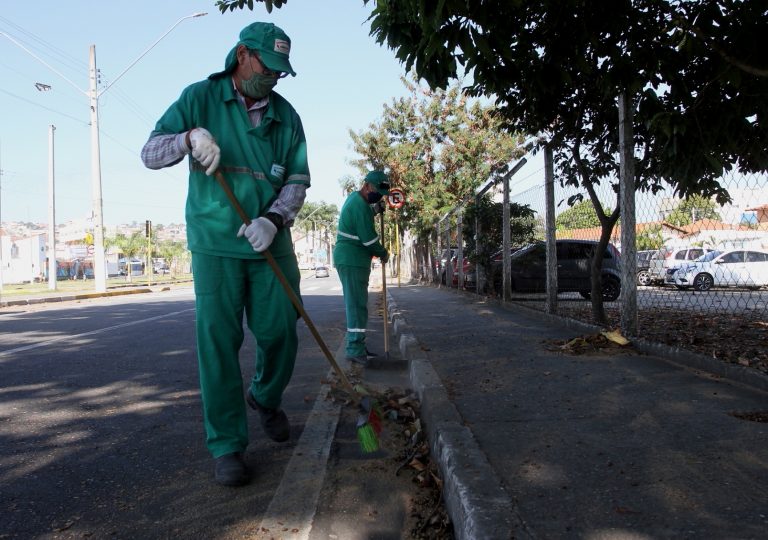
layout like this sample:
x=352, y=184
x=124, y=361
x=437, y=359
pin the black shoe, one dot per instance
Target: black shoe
x=370, y=354
x=273, y=421
x=231, y=470
x=361, y=359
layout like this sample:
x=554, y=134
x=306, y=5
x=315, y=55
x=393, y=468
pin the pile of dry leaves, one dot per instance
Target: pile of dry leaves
x=403, y=435
x=734, y=338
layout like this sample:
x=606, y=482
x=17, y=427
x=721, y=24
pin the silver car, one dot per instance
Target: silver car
x=732, y=268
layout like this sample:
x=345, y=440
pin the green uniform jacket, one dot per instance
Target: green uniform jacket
x=256, y=161
x=357, y=241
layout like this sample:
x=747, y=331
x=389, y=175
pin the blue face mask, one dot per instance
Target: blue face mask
x=374, y=197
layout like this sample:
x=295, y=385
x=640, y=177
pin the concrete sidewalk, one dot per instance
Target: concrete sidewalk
x=536, y=443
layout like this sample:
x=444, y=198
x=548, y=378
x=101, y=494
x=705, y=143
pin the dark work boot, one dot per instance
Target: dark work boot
x=231, y=470
x=274, y=422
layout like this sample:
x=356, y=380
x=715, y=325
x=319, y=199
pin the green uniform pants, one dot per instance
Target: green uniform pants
x=225, y=288
x=354, y=283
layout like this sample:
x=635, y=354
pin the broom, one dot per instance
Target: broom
x=384, y=293
x=369, y=417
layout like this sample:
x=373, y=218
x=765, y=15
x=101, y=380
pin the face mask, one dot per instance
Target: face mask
x=374, y=197
x=257, y=86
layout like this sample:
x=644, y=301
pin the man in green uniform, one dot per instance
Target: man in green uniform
x=357, y=242
x=235, y=123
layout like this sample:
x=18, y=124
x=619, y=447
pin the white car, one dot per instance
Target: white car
x=666, y=260
x=732, y=268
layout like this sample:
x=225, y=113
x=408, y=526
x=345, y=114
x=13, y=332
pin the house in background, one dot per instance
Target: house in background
x=761, y=216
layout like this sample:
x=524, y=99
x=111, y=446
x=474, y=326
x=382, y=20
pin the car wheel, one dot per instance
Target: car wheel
x=703, y=282
x=611, y=289
x=643, y=278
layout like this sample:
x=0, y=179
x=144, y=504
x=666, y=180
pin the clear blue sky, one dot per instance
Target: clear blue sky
x=344, y=79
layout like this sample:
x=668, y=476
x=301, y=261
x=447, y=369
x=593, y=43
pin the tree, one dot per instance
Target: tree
x=556, y=67
x=130, y=247
x=489, y=214
x=579, y=216
x=650, y=238
x=320, y=221
x=438, y=146
x=172, y=252
x=691, y=209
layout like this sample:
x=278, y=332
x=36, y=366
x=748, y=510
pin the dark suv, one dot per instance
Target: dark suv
x=529, y=269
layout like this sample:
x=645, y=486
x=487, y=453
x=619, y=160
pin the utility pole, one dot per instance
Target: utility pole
x=51, y=213
x=148, y=232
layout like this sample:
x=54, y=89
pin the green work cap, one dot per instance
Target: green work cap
x=379, y=180
x=273, y=44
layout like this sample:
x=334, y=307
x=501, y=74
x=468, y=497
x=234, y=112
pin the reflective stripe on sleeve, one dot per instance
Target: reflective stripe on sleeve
x=345, y=235
x=376, y=239
x=356, y=330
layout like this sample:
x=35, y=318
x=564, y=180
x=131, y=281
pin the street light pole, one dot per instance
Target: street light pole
x=99, y=270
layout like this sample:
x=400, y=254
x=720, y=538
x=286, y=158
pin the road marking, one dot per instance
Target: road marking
x=92, y=332
x=294, y=503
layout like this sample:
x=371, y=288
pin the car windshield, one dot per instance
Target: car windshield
x=709, y=256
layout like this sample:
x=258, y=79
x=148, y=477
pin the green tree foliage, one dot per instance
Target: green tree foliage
x=231, y=5
x=489, y=215
x=581, y=215
x=173, y=252
x=650, y=238
x=693, y=208
x=130, y=246
x=320, y=220
x=313, y=216
x=557, y=66
x=438, y=146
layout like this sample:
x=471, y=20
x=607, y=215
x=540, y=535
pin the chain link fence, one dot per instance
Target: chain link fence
x=698, y=262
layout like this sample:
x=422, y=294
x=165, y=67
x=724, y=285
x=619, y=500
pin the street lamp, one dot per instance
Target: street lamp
x=99, y=270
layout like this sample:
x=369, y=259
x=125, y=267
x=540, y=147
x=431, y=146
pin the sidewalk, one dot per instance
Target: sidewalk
x=536, y=443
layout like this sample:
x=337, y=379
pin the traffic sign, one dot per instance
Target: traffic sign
x=396, y=198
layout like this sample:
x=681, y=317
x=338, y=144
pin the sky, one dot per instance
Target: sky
x=343, y=81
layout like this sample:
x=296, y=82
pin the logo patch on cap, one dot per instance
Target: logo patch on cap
x=282, y=46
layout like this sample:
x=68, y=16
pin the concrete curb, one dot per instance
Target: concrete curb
x=69, y=297
x=477, y=503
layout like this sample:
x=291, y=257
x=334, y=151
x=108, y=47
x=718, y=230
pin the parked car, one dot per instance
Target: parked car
x=529, y=268
x=667, y=258
x=442, y=262
x=643, y=266
x=732, y=268
x=469, y=272
x=322, y=271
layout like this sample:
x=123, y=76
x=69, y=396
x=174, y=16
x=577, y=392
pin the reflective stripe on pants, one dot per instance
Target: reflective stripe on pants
x=354, y=282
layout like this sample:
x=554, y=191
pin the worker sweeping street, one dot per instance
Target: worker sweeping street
x=234, y=123
x=357, y=242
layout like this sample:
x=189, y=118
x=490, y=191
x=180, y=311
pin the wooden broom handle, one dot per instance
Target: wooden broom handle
x=288, y=289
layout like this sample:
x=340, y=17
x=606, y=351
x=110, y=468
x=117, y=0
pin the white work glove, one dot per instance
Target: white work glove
x=204, y=149
x=259, y=233
x=379, y=207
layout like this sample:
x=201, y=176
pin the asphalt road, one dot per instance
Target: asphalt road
x=101, y=432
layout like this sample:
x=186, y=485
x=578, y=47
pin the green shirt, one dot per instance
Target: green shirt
x=357, y=240
x=256, y=161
